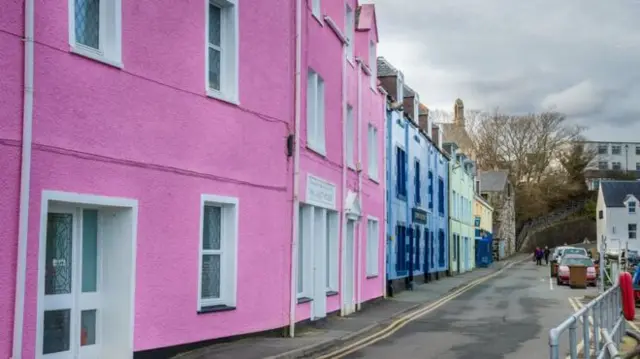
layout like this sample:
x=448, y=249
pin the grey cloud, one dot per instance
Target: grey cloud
x=579, y=56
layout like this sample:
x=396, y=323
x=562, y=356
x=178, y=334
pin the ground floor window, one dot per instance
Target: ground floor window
x=401, y=248
x=373, y=234
x=441, y=248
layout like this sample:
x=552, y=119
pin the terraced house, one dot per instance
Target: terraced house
x=461, y=227
x=417, y=176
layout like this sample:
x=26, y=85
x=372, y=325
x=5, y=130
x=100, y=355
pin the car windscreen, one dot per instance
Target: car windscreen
x=577, y=262
x=574, y=251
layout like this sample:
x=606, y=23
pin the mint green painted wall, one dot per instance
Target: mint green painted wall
x=461, y=188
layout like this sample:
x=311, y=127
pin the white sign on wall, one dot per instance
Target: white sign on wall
x=320, y=192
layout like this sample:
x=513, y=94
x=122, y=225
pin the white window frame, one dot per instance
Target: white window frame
x=630, y=231
x=632, y=207
x=229, y=51
x=373, y=247
x=373, y=64
x=110, y=34
x=616, y=150
x=333, y=239
x=351, y=138
x=615, y=164
x=305, y=239
x=372, y=146
x=316, y=10
x=416, y=108
x=349, y=30
x=400, y=87
x=316, y=112
x=228, y=250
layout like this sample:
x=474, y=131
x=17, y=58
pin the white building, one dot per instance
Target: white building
x=618, y=215
x=612, y=157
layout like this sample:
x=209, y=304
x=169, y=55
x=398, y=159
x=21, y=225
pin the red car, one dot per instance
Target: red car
x=577, y=260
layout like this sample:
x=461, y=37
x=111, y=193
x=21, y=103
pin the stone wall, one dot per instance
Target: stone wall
x=570, y=232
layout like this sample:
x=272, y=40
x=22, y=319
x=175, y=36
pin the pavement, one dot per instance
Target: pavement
x=335, y=331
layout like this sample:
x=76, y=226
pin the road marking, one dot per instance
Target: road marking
x=550, y=283
x=404, y=320
x=576, y=308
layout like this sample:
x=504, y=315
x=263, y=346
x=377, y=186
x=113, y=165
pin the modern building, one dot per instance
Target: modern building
x=417, y=175
x=618, y=215
x=461, y=222
x=611, y=160
x=340, y=247
x=497, y=190
x=150, y=184
x=483, y=228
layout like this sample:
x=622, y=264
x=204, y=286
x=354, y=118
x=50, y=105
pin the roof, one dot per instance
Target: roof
x=385, y=68
x=493, y=181
x=615, y=192
x=408, y=91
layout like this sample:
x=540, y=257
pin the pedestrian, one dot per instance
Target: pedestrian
x=546, y=254
x=539, y=255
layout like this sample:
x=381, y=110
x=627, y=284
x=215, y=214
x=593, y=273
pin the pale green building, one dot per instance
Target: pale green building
x=461, y=227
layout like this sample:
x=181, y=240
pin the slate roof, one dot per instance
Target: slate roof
x=408, y=91
x=385, y=68
x=493, y=181
x=615, y=192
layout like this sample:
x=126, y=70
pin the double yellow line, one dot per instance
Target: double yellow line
x=404, y=320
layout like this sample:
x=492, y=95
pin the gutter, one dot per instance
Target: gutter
x=296, y=170
x=25, y=179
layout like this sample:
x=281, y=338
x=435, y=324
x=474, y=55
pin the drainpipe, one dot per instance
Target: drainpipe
x=408, y=227
x=296, y=171
x=25, y=178
x=387, y=198
x=343, y=217
x=363, y=221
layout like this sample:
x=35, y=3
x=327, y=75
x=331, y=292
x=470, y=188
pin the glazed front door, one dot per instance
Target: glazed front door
x=71, y=303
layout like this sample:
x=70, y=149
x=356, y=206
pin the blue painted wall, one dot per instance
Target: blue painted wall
x=413, y=245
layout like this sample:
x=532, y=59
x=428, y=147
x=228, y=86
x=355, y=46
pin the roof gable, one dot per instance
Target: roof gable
x=615, y=193
x=366, y=19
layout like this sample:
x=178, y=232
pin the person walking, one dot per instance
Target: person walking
x=546, y=254
x=539, y=255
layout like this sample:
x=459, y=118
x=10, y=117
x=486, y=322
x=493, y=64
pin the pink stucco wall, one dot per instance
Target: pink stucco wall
x=148, y=132
x=323, y=53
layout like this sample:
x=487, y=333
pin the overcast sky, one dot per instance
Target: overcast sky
x=581, y=57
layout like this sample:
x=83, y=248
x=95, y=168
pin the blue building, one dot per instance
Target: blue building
x=417, y=188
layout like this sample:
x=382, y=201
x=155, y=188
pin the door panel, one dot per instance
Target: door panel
x=319, y=304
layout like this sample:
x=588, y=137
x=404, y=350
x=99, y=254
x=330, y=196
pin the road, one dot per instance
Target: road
x=507, y=317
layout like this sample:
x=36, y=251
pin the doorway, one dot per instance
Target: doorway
x=348, y=302
x=85, y=294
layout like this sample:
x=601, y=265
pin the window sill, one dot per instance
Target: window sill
x=318, y=18
x=351, y=62
x=215, y=308
x=331, y=293
x=302, y=300
x=351, y=166
x=320, y=151
x=402, y=197
x=219, y=96
x=97, y=57
x=373, y=89
x=374, y=179
x=372, y=276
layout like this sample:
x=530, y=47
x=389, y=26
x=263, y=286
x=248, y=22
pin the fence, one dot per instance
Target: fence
x=602, y=324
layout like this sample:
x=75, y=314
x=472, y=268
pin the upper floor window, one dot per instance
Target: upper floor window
x=315, y=113
x=603, y=149
x=372, y=63
x=418, y=194
x=632, y=207
x=349, y=26
x=372, y=139
x=616, y=165
x=603, y=165
x=401, y=173
x=637, y=166
x=632, y=229
x=351, y=137
x=616, y=149
x=637, y=150
x=441, y=196
x=219, y=240
x=454, y=200
x=222, y=50
x=95, y=29
x=400, y=87
x=315, y=9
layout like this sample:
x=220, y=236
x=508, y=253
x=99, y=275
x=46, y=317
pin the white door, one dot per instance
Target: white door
x=71, y=302
x=319, y=304
x=349, y=270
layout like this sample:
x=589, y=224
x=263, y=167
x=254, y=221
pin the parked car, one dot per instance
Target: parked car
x=556, y=253
x=578, y=260
x=571, y=251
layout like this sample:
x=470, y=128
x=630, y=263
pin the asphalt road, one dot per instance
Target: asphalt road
x=508, y=317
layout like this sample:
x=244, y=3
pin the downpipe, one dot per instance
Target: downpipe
x=343, y=217
x=296, y=171
x=363, y=221
x=25, y=179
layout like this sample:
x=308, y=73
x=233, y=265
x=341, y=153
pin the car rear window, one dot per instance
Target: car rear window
x=574, y=251
x=577, y=262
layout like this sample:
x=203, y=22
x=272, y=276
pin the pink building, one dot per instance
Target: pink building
x=340, y=260
x=148, y=171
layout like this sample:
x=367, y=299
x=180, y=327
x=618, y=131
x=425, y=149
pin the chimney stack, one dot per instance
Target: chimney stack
x=435, y=135
x=458, y=114
x=423, y=120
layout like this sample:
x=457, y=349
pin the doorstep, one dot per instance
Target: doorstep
x=316, y=337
